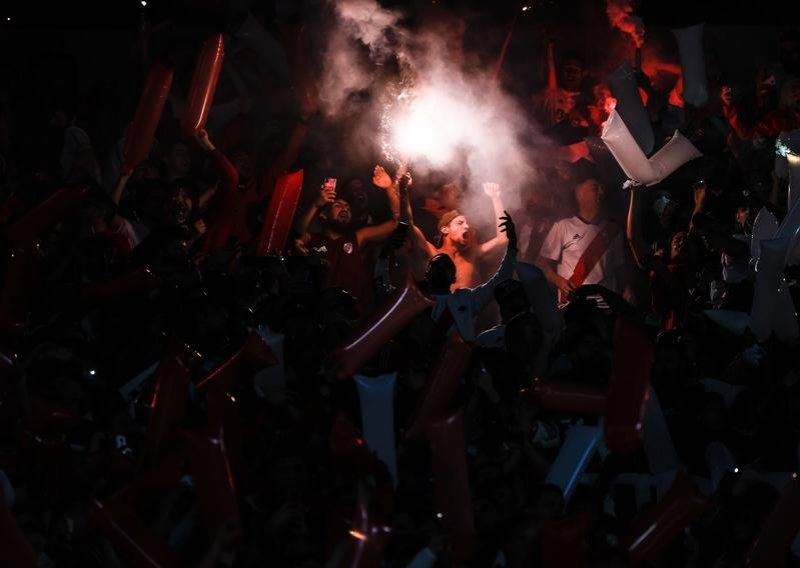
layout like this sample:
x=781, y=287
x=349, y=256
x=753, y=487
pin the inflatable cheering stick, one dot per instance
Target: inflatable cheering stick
x=380, y=328
x=253, y=356
x=662, y=458
x=376, y=395
x=441, y=385
x=453, y=498
x=119, y=288
x=216, y=489
x=61, y=204
x=204, y=83
x=17, y=551
x=168, y=405
x=18, y=288
x=778, y=530
x=280, y=213
x=370, y=532
x=564, y=542
x=139, y=545
x=563, y=396
x=632, y=160
x=573, y=458
x=629, y=106
x=628, y=388
x=142, y=129
x=768, y=283
x=350, y=450
x=275, y=375
x=658, y=527
x=764, y=227
x=693, y=64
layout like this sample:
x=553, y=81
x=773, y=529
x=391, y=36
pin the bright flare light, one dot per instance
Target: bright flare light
x=435, y=124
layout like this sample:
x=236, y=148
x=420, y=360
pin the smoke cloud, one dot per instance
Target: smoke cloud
x=440, y=115
x=620, y=15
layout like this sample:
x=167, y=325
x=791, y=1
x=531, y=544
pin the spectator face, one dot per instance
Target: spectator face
x=572, y=74
x=178, y=160
x=180, y=207
x=589, y=194
x=244, y=165
x=677, y=245
x=458, y=231
x=744, y=216
x=338, y=214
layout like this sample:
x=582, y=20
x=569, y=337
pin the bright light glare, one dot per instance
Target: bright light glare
x=526, y=8
x=144, y=2
x=434, y=126
x=358, y=534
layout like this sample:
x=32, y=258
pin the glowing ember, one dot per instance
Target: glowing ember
x=357, y=534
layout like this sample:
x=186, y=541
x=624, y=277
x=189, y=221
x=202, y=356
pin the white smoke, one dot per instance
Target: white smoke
x=434, y=112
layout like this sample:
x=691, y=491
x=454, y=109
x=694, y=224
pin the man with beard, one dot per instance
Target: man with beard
x=339, y=245
x=458, y=241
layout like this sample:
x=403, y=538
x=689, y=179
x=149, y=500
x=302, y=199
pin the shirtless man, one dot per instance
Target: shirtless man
x=458, y=241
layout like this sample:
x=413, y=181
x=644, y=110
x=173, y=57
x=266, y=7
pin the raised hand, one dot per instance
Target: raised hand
x=380, y=178
x=204, y=141
x=508, y=227
x=492, y=190
x=405, y=181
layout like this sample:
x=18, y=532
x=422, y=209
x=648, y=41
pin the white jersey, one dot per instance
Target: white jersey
x=569, y=238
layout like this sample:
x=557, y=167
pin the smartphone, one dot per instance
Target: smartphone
x=330, y=183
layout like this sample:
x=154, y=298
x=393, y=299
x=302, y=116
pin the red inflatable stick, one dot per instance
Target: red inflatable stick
x=17, y=551
x=566, y=397
x=453, y=498
x=119, y=288
x=223, y=411
x=216, y=488
x=204, y=83
x=140, y=546
x=659, y=526
x=46, y=215
x=629, y=387
x=169, y=400
x=280, y=213
x=779, y=529
x=252, y=356
x=370, y=531
x=404, y=305
x=441, y=386
x=564, y=543
x=350, y=450
x=17, y=293
x=142, y=129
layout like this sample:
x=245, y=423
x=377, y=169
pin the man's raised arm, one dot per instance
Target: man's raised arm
x=499, y=239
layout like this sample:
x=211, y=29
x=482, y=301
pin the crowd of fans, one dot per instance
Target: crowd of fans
x=145, y=344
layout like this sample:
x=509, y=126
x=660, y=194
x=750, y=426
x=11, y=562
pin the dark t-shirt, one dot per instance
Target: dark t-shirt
x=344, y=266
